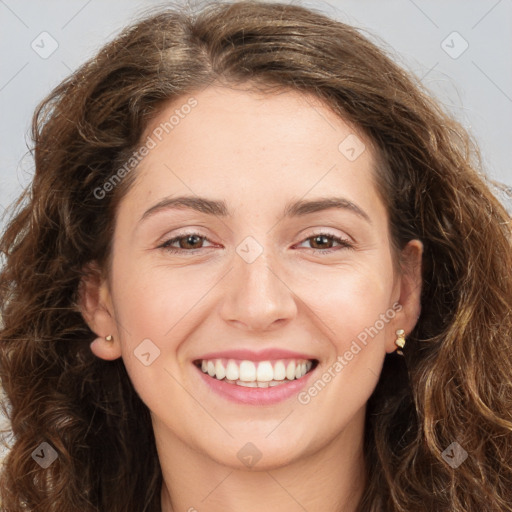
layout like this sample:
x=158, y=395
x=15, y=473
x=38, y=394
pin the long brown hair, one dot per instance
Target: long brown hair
x=454, y=384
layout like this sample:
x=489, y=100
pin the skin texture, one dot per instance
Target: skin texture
x=257, y=153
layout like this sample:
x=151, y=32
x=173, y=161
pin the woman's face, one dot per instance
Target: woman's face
x=263, y=281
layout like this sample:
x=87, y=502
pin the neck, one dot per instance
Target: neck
x=330, y=478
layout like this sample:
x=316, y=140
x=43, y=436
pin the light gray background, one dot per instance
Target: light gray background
x=476, y=86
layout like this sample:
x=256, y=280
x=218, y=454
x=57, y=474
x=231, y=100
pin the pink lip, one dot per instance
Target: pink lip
x=254, y=396
x=264, y=355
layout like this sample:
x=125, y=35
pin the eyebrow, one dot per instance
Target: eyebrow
x=219, y=208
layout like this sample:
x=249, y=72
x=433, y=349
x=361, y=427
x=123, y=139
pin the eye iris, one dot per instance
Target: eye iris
x=188, y=239
x=324, y=239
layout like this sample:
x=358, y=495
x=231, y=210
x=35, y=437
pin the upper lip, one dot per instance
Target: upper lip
x=268, y=354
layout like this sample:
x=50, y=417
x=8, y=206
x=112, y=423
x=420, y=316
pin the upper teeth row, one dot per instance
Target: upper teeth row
x=249, y=371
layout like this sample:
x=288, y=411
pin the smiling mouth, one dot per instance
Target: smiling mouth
x=256, y=374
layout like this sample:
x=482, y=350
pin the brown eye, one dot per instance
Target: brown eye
x=188, y=242
x=320, y=240
x=323, y=243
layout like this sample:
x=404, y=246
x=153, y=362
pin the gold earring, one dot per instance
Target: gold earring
x=109, y=337
x=400, y=341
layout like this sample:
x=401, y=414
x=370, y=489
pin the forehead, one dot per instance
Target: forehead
x=254, y=120
x=245, y=146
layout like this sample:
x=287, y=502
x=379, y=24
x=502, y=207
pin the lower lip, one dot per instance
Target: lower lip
x=255, y=396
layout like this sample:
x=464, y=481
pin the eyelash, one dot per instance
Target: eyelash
x=345, y=244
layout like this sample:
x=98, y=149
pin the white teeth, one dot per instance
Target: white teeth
x=247, y=371
x=232, y=371
x=265, y=372
x=290, y=370
x=220, y=372
x=256, y=374
x=279, y=371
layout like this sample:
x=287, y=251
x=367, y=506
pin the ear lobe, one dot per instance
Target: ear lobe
x=104, y=349
x=410, y=290
x=95, y=305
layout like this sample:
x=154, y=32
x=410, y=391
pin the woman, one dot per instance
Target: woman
x=257, y=269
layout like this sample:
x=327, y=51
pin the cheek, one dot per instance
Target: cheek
x=357, y=311
x=357, y=337
x=155, y=302
x=157, y=309
x=352, y=300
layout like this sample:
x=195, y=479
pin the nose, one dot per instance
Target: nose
x=257, y=298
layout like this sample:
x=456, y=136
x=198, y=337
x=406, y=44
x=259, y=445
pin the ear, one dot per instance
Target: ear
x=409, y=289
x=95, y=303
